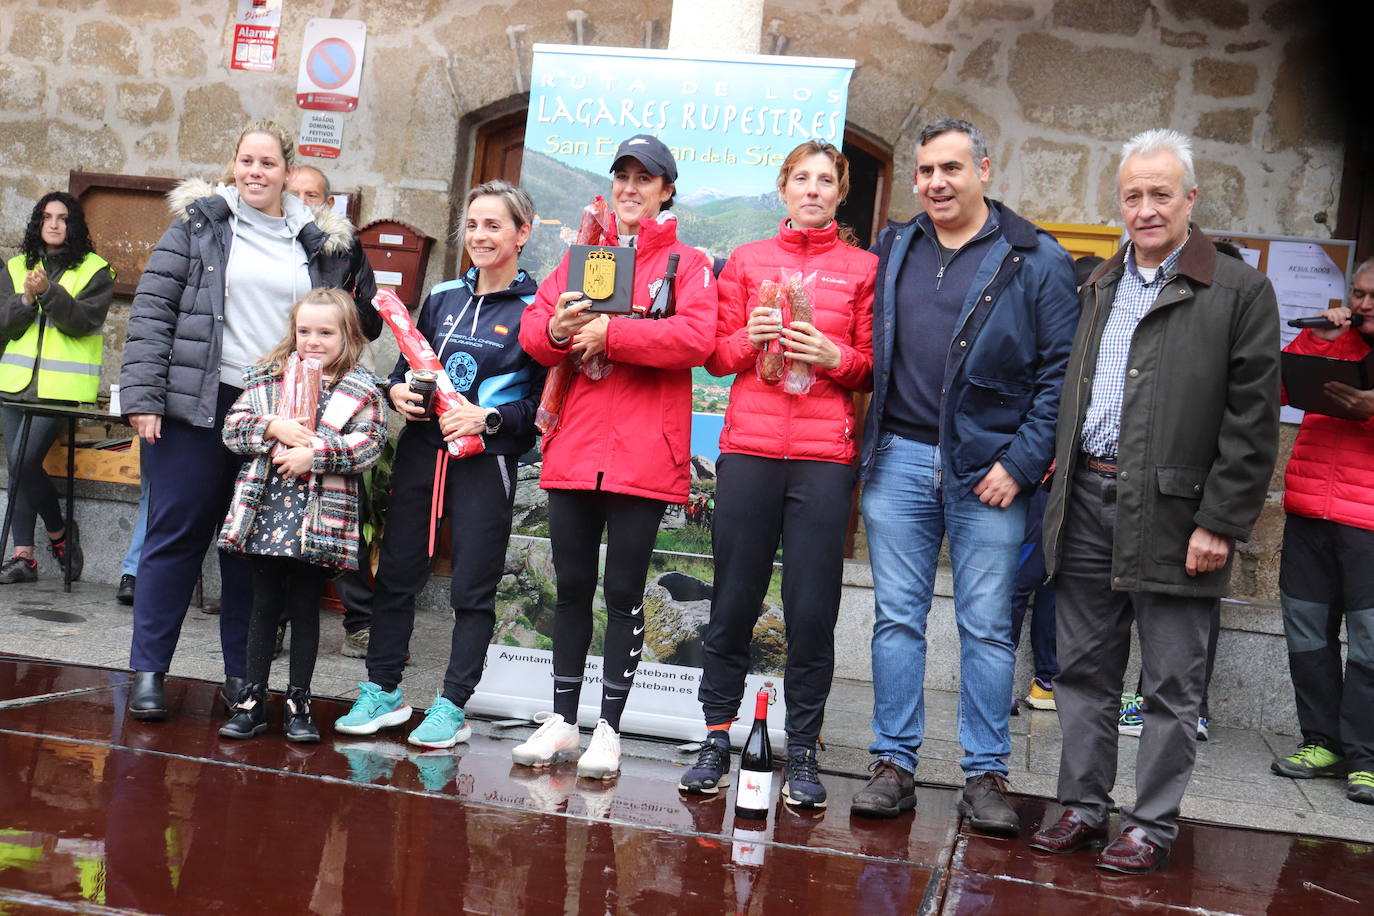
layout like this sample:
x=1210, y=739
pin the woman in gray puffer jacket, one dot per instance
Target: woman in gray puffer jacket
x=212, y=300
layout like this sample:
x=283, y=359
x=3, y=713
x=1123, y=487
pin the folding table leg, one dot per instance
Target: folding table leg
x=71, y=503
x=14, y=481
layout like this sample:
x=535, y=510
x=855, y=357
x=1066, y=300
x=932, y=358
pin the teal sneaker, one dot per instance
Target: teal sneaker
x=371, y=761
x=374, y=709
x=444, y=726
x=436, y=768
x=1310, y=760
x=1131, y=722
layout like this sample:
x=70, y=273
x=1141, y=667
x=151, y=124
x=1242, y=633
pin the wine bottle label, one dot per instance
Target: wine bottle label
x=755, y=790
x=747, y=846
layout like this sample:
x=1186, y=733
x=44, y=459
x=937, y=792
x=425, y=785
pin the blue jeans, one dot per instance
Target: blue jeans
x=907, y=513
x=130, y=566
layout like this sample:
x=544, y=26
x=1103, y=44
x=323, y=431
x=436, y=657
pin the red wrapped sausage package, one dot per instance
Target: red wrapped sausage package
x=597, y=228
x=798, y=291
x=771, y=362
x=420, y=355
x=790, y=298
x=301, y=381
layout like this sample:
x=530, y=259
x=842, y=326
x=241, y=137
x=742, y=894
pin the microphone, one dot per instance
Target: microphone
x=1322, y=323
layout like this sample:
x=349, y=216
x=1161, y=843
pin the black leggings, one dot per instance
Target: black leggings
x=285, y=588
x=576, y=520
x=759, y=502
x=37, y=496
x=478, y=497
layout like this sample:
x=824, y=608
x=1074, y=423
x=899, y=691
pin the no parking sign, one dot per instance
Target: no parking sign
x=331, y=64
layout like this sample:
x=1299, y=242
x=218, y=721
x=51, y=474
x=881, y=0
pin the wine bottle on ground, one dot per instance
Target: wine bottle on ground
x=754, y=794
x=746, y=854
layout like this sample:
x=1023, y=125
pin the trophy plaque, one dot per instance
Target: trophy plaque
x=605, y=274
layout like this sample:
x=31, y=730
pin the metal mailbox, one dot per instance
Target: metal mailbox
x=398, y=253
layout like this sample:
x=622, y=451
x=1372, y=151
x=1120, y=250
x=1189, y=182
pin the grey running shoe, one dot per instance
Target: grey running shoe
x=712, y=771
x=355, y=644
x=18, y=569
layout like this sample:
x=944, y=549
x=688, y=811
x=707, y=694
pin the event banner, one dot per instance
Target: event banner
x=730, y=122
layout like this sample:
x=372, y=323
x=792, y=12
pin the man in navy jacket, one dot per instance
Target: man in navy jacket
x=974, y=315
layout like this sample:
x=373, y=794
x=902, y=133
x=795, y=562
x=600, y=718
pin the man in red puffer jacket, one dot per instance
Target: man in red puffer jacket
x=1326, y=571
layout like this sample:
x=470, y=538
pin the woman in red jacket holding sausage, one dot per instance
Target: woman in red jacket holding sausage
x=620, y=450
x=786, y=467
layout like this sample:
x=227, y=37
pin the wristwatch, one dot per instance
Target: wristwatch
x=493, y=421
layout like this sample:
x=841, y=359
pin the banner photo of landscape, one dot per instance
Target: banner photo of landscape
x=730, y=122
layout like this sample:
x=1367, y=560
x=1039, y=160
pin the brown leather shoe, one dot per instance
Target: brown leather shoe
x=1133, y=853
x=890, y=791
x=1070, y=834
x=985, y=804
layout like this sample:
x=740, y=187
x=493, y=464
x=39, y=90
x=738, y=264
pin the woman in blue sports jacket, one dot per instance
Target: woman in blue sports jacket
x=473, y=324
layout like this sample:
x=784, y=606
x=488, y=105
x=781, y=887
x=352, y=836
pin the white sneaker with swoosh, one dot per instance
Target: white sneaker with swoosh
x=555, y=741
x=602, y=758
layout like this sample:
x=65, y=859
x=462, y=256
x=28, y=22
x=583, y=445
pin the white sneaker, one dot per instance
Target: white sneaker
x=547, y=790
x=597, y=797
x=555, y=741
x=602, y=759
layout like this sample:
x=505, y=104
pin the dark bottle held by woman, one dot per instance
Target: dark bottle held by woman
x=665, y=302
x=753, y=796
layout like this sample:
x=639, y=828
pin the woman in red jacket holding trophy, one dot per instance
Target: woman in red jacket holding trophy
x=619, y=451
x=796, y=331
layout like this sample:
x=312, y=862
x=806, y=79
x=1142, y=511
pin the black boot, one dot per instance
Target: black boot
x=249, y=714
x=147, y=697
x=296, y=721
x=229, y=693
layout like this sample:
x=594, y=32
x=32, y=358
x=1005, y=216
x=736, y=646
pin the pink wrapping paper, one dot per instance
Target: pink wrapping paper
x=300, y=393
x=597, y=228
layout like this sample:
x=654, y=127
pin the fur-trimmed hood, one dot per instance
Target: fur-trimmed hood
x=338, y=232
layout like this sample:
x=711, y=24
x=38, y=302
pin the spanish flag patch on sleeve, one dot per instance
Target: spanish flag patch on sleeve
x=501, y=329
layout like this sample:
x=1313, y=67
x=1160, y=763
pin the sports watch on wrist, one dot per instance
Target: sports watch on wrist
x=493, y=421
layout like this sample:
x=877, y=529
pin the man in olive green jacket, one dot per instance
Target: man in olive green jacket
x=1167, y=436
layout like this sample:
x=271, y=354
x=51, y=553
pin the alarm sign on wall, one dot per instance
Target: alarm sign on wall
x=331, y=64
x=255, y=35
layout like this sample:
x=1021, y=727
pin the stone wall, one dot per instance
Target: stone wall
x=142, y=87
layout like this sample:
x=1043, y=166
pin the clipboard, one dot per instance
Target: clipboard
x=605, y=274
x=1305, y=374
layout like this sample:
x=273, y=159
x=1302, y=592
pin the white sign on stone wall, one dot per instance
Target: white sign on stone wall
x=331, y=64
x=321, y=134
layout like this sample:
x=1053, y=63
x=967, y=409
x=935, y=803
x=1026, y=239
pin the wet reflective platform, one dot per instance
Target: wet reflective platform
x=102, y=814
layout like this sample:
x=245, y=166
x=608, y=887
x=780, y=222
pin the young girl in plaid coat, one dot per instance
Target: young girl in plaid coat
x=295, y=511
